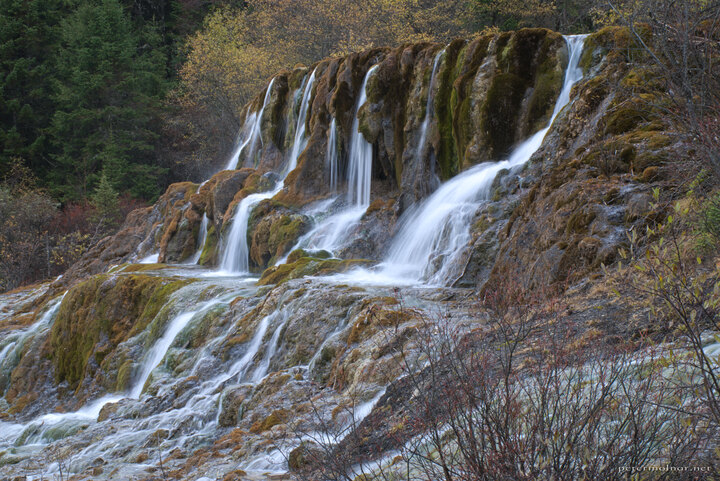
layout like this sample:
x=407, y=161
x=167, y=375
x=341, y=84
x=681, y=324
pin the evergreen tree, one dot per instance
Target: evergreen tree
x=29, y=33
x=109, y=81
x=105, y=201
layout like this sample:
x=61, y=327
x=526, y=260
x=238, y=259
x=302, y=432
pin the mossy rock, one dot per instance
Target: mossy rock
x=100, y=313
x=622, y=120
x=273, y=229
x=500, y=112
x=579, y=221
x=308, y=266
x=209, y=253
x=650, y=174
x=124, y=375
x=303, y=455
x=129, y=268
x=278, y=416
x=608, y=41
x=649, y=159
x=298, y=253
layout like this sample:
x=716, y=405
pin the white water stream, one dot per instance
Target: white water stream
x=422, y=143
x=254, y=120
x=436, y=229
x=435, y=233
x=331, y=231
x=235, y=250
x=360, y=156
x=331, y=156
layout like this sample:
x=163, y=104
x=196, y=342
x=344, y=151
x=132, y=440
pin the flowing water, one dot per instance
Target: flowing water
x=254, y=120
x=235, y=250
x=331, y=231
x=331, y=156
x=422, y=143
x=156, y=401
x=360, y=154
x=300, y=140
x=434, y=234
x=202, y=237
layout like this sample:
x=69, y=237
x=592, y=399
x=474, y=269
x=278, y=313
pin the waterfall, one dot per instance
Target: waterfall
x=262, y=369
x=157, y=353
x=300, y=141
x=331, y=232
x=331, y=156
x=360, y=162
x=202, y=237
x=254, y=120
x=422, y=143
x=17, y=340
x=434, y=235
x=236, y=252
x=246, y=134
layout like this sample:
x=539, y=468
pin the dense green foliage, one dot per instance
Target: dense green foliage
x=134, y=90
x=82, y=88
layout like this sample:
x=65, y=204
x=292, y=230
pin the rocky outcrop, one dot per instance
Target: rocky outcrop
x=273, y=230
x=589, y=184
x=488, y=92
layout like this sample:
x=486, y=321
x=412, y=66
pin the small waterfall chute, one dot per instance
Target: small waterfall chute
x=360, y=154
x=202, y=237
x=331, y=156
x=254, y=120
x=300, y=140
x=235, y=250
x=433, y=235
x=332, y=231
x=422, y=143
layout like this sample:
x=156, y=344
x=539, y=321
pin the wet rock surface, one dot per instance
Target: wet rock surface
x=248, y=367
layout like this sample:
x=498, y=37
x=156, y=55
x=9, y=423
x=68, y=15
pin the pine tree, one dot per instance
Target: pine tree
x=109, y=81
x=105, y=201
x=29, y=34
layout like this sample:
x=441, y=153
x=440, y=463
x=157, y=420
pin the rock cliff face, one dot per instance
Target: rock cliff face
x=217, y=371
x=488, y=94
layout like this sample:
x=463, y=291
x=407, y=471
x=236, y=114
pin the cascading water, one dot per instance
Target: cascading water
x=250, y=142
x=422, y=143
x=331, y=156
x=436, y=229
x=360, y=158
x=235, y=251
x=300, y=140
x=330, y=233
x=202, y=237
x=16, y=342
x=156, y=354
x=434, y=234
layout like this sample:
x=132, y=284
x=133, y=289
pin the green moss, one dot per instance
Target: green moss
x=273, y=229
x=623, y=119
x=100, y=313
x=500, y=112
x=598, y=44
x=299, y=253
x=308, y=266
x=579, y=221
x=648, y=159
x=127, y=268
x=124, y=376
x=547, y=88
x=278, y=416
x=653, y=139
x=209, y=252
x=548, y=84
